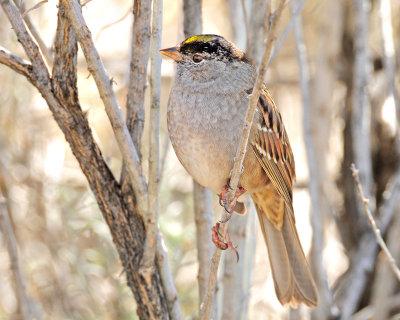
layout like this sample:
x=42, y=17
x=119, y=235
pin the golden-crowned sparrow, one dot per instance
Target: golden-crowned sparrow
x=206, y=111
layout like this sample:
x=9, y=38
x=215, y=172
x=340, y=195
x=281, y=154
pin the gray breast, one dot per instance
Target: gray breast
x=204, y=131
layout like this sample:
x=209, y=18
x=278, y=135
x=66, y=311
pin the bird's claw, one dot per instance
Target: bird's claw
x=219, y=242
x=229, y=208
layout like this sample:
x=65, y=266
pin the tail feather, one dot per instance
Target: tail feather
x=292, y=278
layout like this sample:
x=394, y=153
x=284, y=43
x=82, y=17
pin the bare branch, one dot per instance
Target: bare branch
x=43, y=48
x=111, y=23
x=8, y=232
x=286, y=32
x=154, y=132
x=16, y=63
x=375, y=229
x=103, y=82
x=246, y=25
x=33, y=8
x=174, y=308
x=203, y=217
x=389, y=62
x=119, y=210
x=135, y=98
x=241, y=152
x=361, y=119
x=325, y=305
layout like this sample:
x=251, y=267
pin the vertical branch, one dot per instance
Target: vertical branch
x=203, y=217
x=234, y=271
x=192, y=17
x=389, y=62
x=138, y=71
x=361, y=119
x=384, y=284
x=324, y=308
x=258, y=14
x=24, y=302
x=241, y=151
x=154, y=132
x=153, y=244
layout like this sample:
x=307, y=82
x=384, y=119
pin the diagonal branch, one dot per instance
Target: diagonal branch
x=16, y=63
x=374, y=227
x=240, y=154
x=32, y=29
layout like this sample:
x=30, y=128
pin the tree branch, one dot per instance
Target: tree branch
x=119, y=210
x=324, y=309
x=371, y=220
x=114, y=113
x=152, y=236
x=32, y=29
x=17, y=64
x=140, y=44
x=241, y=152
x=389, y=62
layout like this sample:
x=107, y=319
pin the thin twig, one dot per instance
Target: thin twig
x=246, y=26
x=286, y=32
x=240, y=154
x=364, y=259
x=33, y=8
x=324, y=308
x=111, y=23
x=8, y=232
x=85, y=2
x=375, y=229
x=107, y=94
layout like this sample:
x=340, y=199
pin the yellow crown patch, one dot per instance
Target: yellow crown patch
x=202, y=38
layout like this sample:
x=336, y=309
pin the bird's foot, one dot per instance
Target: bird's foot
x=220, y=243
x=229, y=207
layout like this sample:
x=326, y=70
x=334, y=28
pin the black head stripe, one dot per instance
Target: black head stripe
x=216, y=46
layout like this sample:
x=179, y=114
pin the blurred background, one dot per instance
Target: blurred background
x=70, y=266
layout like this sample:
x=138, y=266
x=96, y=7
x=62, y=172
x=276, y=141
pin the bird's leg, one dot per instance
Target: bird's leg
x=219, y=242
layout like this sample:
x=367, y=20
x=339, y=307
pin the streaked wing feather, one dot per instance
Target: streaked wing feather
x=277, y=156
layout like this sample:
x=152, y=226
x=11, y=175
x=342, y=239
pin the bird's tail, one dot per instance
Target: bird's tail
x=292, y=278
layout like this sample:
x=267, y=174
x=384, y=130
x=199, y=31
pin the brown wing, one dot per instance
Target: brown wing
x=272, y=148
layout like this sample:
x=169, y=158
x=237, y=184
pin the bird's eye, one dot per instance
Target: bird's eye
x=197, y=58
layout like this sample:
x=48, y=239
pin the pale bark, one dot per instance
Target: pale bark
x=325, y=303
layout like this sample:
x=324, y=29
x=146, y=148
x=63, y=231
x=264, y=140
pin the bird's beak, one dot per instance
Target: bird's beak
x=172, y=53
